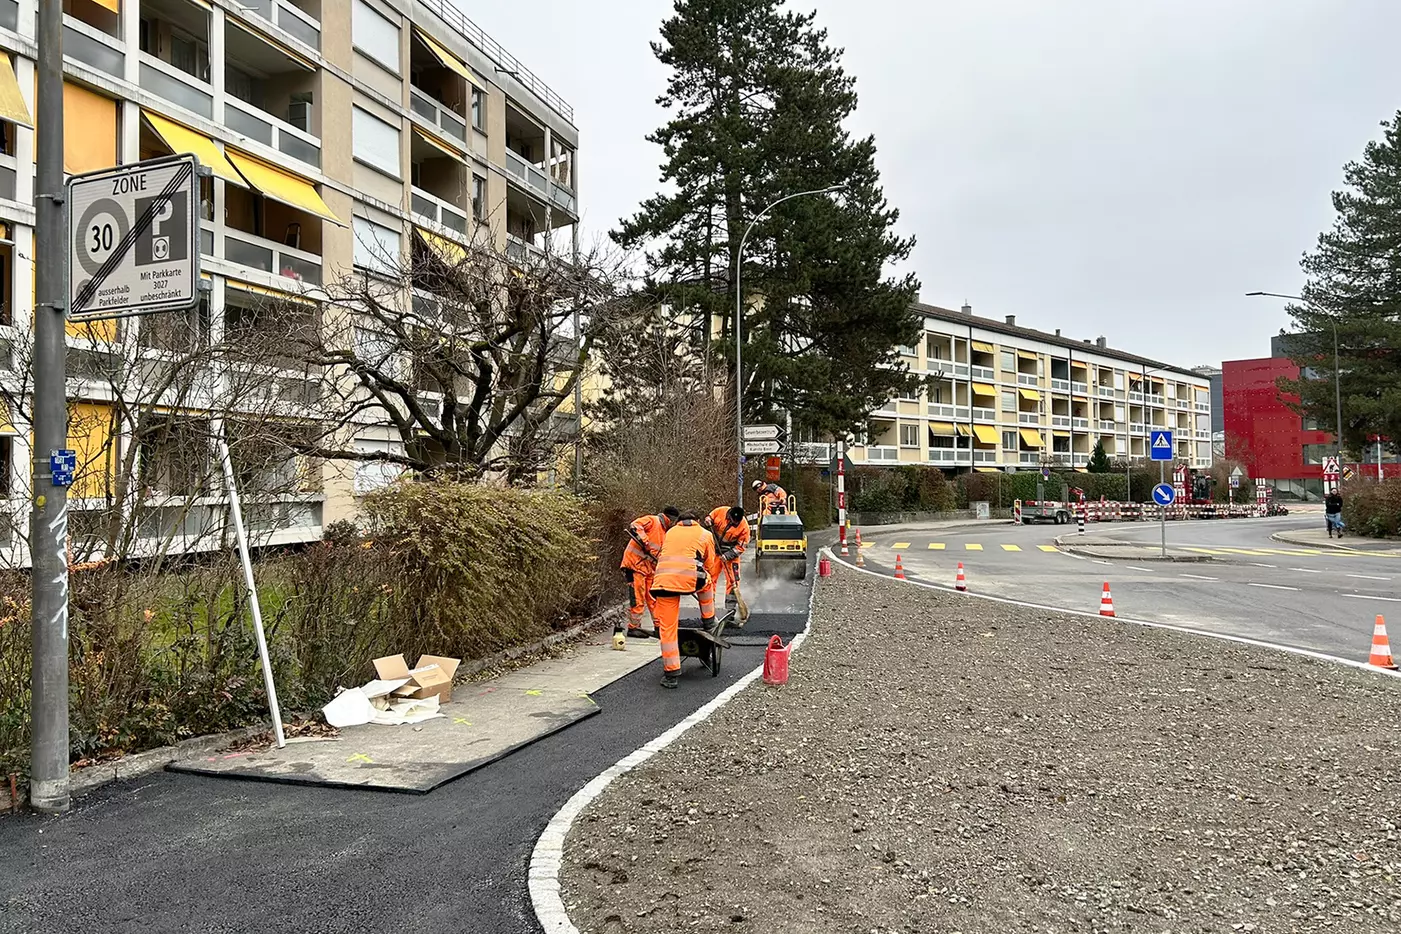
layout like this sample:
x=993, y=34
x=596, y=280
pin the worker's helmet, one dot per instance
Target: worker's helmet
x=736, y=514
x=757, y=484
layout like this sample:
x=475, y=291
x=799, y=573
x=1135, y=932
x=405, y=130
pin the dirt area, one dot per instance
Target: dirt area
x=943, y=764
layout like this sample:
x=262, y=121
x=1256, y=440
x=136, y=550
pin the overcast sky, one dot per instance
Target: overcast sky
x=1126, y=168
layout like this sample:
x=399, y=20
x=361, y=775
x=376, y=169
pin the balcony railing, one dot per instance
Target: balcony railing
x=437, y=115
x=435, y=209
x=291, y=19
x=1105, y=392
x=948, y=456
x=1203, y=406
x=1029, y=457
x=1107, y=425
x=1080, y=423
x=813, y=452
x=272, y=257
x=1082, y=388
x=882, y=454
x=984, y=457
x=1060, y=385
x=563, y=197
x=1026, y=379
x=982, y=372
x=944, y=410
x=9, y=16
x=526, y=174
x=1060, y=421
x=947, y=367
x=1155, y=399
x=1135, y=397
x=174, y=85
x=272, y=132
x=521, y=251
x=1138, y=428
x=1080, y=460
x=1029, y=418
x=8, y=177
x=984, y=415
x=92, y=47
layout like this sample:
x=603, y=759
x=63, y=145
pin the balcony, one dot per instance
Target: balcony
x=1060, y=421
x=1081, y=388
x=270, y=96
x=948, y=457
x=1080, y=460
x=1029, y=457
x=1026, y=379
x=91, y=46
x=1107, y=425
x=1081, y=423
x=947, y=367
x=1135, y=396
x=1105, y=392
x=882, y=454
x=523, y=251
x=1029, y=418
x=526, y=174
x=1060, y=385
x=1155, y=399
x=944, y=410
x=1138, y=428
x=984, y=457
x=435, y=210
x=287, y=16
x=1204, y=407
x=984, y=415
x=272, y=257
x=983, y=372
x=438, y=116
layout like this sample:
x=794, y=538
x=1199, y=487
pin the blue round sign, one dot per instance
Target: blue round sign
x=1164, y=494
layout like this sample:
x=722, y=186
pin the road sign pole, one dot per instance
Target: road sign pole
x=48, y=538
x=1162, y=516
x=841, y=495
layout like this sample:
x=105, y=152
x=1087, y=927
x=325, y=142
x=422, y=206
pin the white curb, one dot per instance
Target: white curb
x=1242, y=640
x=548, y=856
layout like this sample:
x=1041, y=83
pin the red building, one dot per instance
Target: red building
x=1273, y=441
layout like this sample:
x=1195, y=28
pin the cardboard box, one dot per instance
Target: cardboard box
x=431, y=677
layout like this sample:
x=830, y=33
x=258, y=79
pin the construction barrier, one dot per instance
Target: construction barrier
x=1148, y=512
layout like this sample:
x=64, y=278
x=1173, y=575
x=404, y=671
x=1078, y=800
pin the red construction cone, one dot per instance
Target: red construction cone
x=860, y=555
x=1106, y=602
x=960, y=582
x=899, y=570
x=1381, y=647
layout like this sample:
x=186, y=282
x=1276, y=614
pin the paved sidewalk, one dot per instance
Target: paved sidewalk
x=1318, y=538
x=942, y=764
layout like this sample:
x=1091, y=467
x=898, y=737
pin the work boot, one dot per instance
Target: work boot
x=637, y=632
x=669, y=680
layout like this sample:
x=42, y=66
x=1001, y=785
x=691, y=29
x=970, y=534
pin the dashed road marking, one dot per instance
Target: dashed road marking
x=1048, y=547
x=1368, y=577
x=1256, y=564
x=1367, y=596
x=1011, y=547
x=1198, y=577
x=901, y=545
x=936, y=546
x=1270, y=586
x=1307, y=570
x=972, y=546
x=1134, y=567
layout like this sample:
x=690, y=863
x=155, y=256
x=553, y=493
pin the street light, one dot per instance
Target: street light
x=739, y=342
x=1337, y=375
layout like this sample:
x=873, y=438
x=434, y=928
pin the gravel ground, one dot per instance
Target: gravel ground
x=941, y=764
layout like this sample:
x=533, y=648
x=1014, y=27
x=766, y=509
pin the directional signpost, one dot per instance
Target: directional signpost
x=763, y=439
x=1164, y=494
x=133, y=234
x=762, y=447
x=1160, y=450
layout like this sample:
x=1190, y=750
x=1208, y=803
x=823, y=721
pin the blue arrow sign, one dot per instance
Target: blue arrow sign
x=1160, y=448
x=1164, y=494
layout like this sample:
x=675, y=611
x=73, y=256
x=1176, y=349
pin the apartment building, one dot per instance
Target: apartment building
x=1004, y=397
x=342, y=134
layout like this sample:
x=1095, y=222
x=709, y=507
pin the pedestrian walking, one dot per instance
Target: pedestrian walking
x=1333, y=513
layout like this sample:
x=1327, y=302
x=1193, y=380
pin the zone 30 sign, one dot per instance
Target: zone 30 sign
x=133, y=233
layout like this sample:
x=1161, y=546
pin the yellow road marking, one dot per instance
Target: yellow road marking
x=358, y=757
x=936, y=546
x=901, y=545
x=1011, y=548
x=1048, y=547
x=533, y=693
x=462, y=720
x=972, y=546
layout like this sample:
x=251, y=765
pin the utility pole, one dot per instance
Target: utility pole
x=48, y=538
x=578, y=377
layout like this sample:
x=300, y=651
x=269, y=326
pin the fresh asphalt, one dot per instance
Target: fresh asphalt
x=180, y=853
x=1324, y=602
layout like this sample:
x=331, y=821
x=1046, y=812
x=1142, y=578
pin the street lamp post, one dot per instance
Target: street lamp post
x=739, y=341
x=1337, y=375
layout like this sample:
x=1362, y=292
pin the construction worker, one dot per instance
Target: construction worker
x=731, y=531
x=688, y=550
x=645, y=536
x=772, y=498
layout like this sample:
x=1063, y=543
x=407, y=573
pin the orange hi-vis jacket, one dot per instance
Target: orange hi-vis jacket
x=729, y=536
x=645, y=538
x=688, y=549
x=772, y=497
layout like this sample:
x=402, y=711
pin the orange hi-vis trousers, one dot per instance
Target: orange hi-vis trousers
x=666, y=612
x=642, y=599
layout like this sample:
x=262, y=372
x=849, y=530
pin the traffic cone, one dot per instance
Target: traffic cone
x=899, y=570
x=1381, y=647
x=860, y=556
x=1106, y=602
x=960, y=582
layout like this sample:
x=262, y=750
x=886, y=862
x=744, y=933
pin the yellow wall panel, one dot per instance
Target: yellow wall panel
x=92, y=436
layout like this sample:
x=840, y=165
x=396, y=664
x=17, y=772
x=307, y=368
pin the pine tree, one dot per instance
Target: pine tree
x=1354, y=284
x=758, y=101
x=1099, y=461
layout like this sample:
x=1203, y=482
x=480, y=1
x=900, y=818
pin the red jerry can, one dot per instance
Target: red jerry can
x=776, y=661
x=824, y=567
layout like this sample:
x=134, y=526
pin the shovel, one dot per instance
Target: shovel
x=743, y=616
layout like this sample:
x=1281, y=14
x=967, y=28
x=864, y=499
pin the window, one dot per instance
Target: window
x=936, y=348
x=175, y=457
x=479, y=109
x=479, y=197
x=905, y=349
x=909, y=436
x=941, y=441
x=7, y=460
x=1009, y=362
x=374, y=36
x=375, y=142
x=1009, y=440
x=1009, y=400
x=239, y=84
x=376, y=246
x=1315, y=453
x=940, y=393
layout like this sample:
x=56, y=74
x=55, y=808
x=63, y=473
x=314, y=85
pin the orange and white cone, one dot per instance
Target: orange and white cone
x=1106, y=602
x=960, y=582
x=1381, y=647
x=899, y=570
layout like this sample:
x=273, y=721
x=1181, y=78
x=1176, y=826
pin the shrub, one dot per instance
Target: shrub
x=1373, y=509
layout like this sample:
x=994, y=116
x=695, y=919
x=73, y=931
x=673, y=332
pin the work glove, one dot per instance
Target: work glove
x=706, y=523
x=729, y=554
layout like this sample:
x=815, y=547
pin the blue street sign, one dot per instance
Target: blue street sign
x=62, y=465
x=1046, y=472
x=1160, y=446
x=1164, y=494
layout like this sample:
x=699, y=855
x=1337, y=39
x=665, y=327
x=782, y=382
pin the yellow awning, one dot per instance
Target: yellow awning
x=1061, y=434
x=963, y=430
x=986, y=469
x=986, y=434
x=12, y=105
x=272, y=293
x=282, y=186
x=941, y=428
x=114, y=5
x=448, y=60
x=984, y=346
x=983, y=389
x=447, y=251
x=437, y=144
x=1082, y=470
x=1026, y=354
x=182, y=140
x=1031, y=438
x=1029, y=394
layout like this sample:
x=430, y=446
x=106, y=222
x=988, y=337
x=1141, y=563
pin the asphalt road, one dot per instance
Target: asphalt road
x=172, y=853
x=1253, y=587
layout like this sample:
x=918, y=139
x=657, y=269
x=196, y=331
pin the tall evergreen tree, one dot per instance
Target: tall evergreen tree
x=1354, y=284
x=1099, y=461
x=759, y=100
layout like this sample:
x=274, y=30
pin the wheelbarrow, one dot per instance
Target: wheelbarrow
x=705, y=645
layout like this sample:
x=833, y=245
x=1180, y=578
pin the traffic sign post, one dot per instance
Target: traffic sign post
x=763, y=433
x=762, y=447
x=1164, y=495
x=133, y=239
x=1160, y=445
x=1332, y=476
